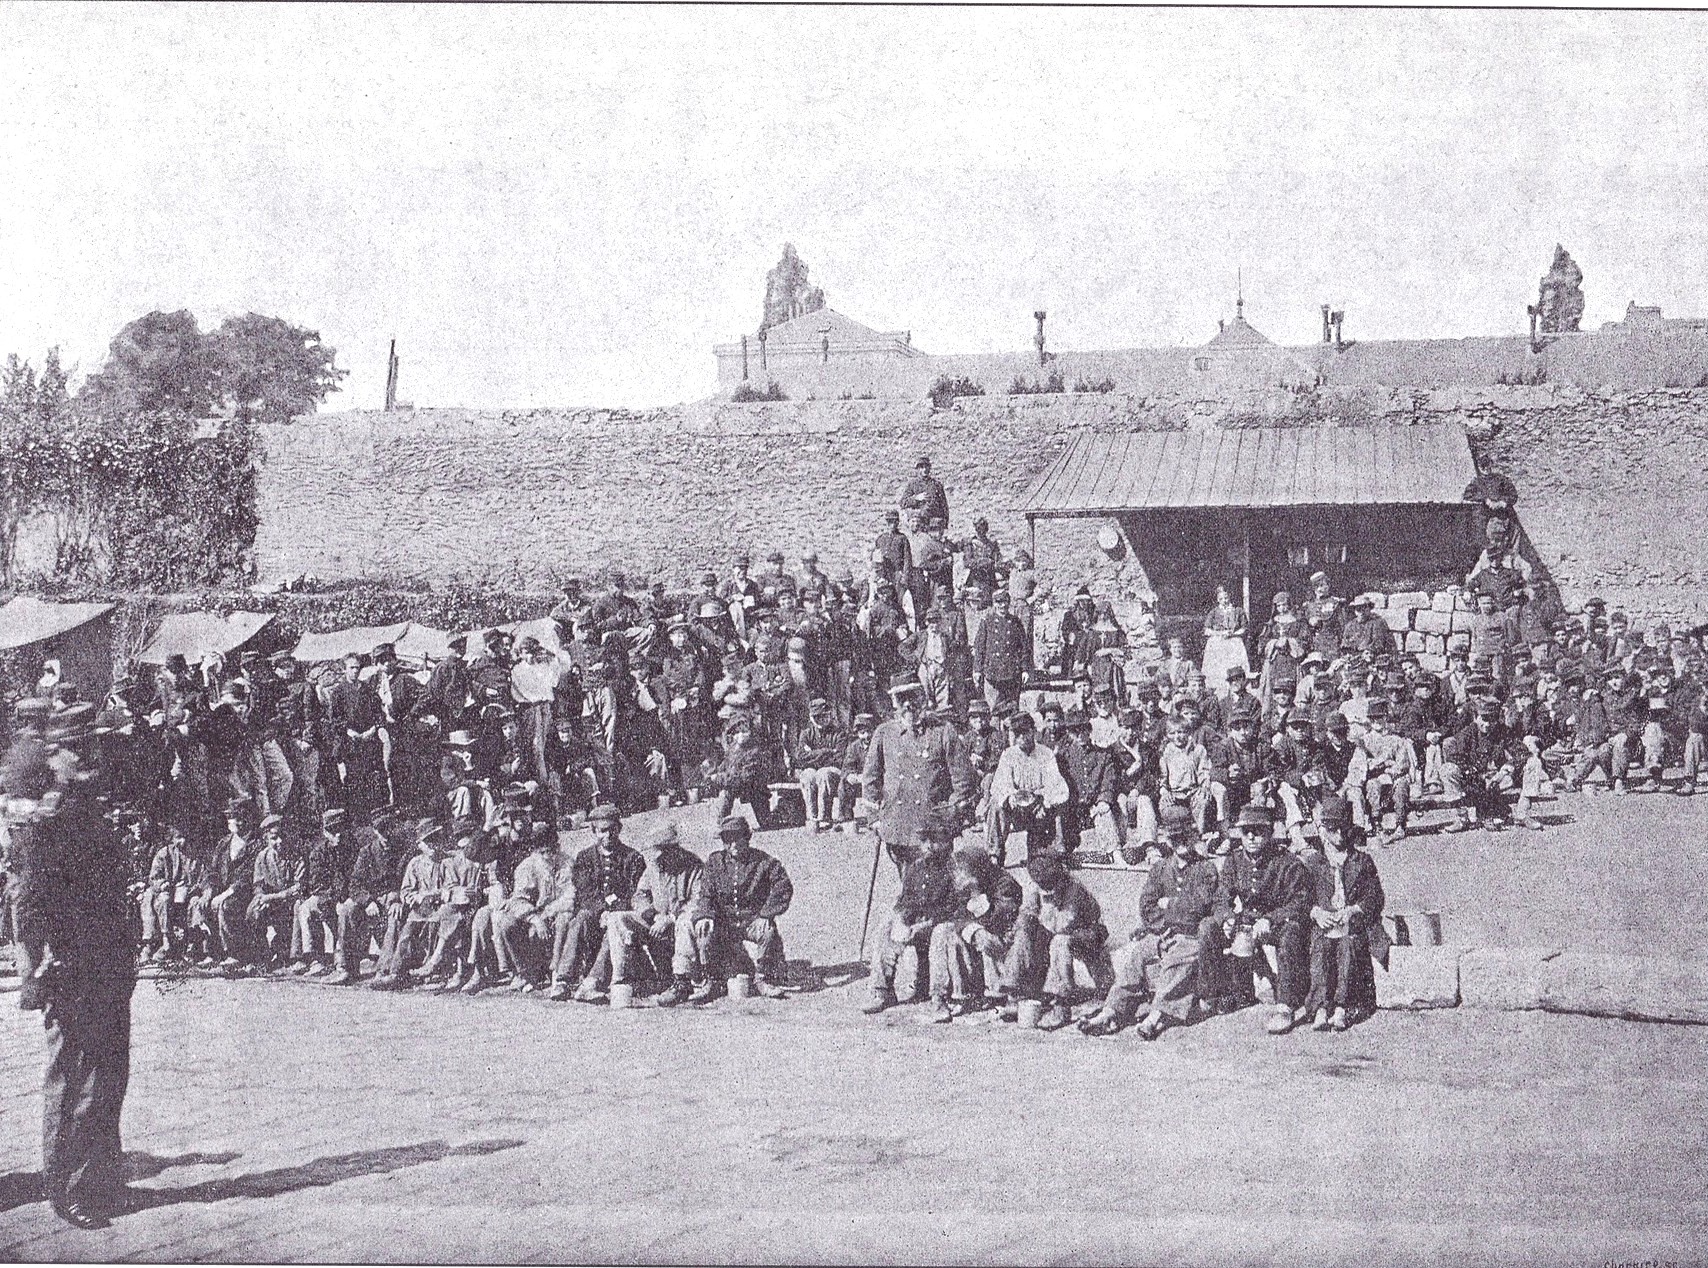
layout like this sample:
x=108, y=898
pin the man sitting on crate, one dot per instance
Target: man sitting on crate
x=1260, y=925
x=924, y=918
x=742, y=894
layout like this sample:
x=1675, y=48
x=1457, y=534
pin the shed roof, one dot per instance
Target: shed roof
x=1256, y=467
x=188, y=633
x=27, y=619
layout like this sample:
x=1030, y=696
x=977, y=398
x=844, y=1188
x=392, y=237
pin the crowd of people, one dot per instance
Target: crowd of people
x=365, y=820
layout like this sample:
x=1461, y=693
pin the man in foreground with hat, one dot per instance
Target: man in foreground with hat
x=517, y=936
x=78, y=966
x=1260, y=924
x=272, y=905
x=662, y=918
x=1388, y=771
x=1346, y=917
x=326, y=883
x=1476, y=769
x=924, y=918
x=420, y=894
x=605, y=876
x=744, y=891
x=1001, y=654
x=1059, y=923
x=914, y=763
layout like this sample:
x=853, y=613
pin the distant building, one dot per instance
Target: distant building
x=804, y=344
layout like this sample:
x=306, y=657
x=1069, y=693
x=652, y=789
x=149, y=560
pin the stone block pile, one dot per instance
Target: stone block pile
x=1427, y=625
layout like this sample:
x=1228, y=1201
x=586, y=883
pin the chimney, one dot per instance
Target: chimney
x=1338, y=316
x=1038, y=339
x=744, y=358
x=1326, y=334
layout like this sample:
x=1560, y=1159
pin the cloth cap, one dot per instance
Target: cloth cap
x=1336, y=722
x=664, y=834
x=1336, y=812
x=1252, y=815
x=734, y=826
x=604, y=813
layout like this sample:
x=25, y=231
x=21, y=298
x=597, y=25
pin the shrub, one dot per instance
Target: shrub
x=1055, y=383
x=747, y=393
x=1105, y=384
x=945, y=390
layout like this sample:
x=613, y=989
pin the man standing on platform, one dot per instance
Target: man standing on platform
x=923, y=498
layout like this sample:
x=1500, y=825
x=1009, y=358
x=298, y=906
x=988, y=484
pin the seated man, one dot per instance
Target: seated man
x=924, y=918
x=1346, y=913
x=230, y=884
x=463, y=882
x=852, y=786
x=1059, y=922
x=605, y=876
x=819, y=747
x=517, y=935
x=989, y=904
x=662, y=917
x=1027, y=792
x=326, y=881
x=420, y=894
x=1388, y=771
x=1476, y=770
x=743, y=893
x=277, y=885
x=370, y=904
x=1262, y=908
x=172, y=877
x=1161, y=958
x=1184, y=773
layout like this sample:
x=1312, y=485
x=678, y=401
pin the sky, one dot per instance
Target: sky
x=571, y=206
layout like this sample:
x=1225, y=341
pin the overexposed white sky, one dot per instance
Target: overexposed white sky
x=561, y=206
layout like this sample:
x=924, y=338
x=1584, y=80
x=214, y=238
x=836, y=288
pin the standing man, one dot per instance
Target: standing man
x=914, y=763
x=73, y=925
x=892, y=551
x=1002, y=653
x=981, y=556
x=923, y=497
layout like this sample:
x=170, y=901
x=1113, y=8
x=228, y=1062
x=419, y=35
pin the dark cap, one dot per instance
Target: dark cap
x=1252, y=815
x=734, y=826
x=1336, y=812
x=605, y=812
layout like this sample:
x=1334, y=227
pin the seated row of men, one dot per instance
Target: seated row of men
x=464, y=913
x=1277, y=918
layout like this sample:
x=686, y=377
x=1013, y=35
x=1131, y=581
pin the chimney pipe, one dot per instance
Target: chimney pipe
x=1325, y=324
x=1338, y=316
x=1038, y=338
x=391, y=378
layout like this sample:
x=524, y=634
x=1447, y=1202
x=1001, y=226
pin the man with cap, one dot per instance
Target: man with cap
x=297, y=715
x=574, y=606
x=173, y=877
x=817, y=761
x=1346, y=917
x=73, y=928
x=1476, y=769
x=661, y=921
x=1242, y=765
x=989, y=901
x=616, y=610
x=420, y=894
x=924, y=918
x=741, y=593
x=356, y=719
x=1388, y=770
x=892, y=551
x=915, y=762
x=1265, y=895
x=518, y=935
x=277, y=886
x=981, y=556
x=923, y=497
x=1298, y=768
x=370, y=905
x=1364, y=631
x=326, y=885
x=933, y=578
x=1323, y=604
x=1060, y=926
x=605, y=876
x=466, y=876
x=744, y=892
x=812, y=576
x=1343, y=763
x=1002, y=655
x=1161, y=958
x=776, y=581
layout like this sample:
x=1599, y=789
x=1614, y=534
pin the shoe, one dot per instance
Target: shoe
x=1619, y=789
x=230, y=962
x=1099, y=1026
x=455, y=982
x=297, y=968
x=674, y=994
x=426, y=972
x=339, y=977
x=1152, y=1026
x=1338, y=1021
x=586, y=993
x=1533, y=823
x=1282, y=1021
x=941, y=1014
x=318, y=968
x=1455, y=825
x=386, y=982
x=476, y=984
x=158, y=957
x=1321, y=1020
x=559, y=991
x=1055, y=1017
x=768, y=990
x=77, y=1215
x=1687, y=790
x=704, y=991
x=1398, y=834
x=879, y=1001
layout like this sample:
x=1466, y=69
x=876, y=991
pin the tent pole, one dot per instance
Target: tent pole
x=1245, y=562
x=1032, y=538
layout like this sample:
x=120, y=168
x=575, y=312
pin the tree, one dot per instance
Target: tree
x=269, y=371
x=1559, y=304
x=32, y=409
x=787, y=292
x=158, y=362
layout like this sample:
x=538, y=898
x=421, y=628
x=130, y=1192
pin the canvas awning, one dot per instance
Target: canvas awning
x=189, y=634
x=27, y=620
x=1376, y=464
x=313, y=648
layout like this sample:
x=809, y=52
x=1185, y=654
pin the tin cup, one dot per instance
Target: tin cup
x=622, y=995
x=740, y=986
x=1030, y=1012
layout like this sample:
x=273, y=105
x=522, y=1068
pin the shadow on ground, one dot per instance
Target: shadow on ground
x=20, y=1188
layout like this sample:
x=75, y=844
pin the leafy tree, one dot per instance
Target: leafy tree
x=31, y=409
x=160, y=361
x=269, y=371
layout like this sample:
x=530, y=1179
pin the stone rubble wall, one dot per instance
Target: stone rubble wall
x=1610, y=482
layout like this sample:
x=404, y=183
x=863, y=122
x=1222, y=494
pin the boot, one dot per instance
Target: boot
x=560, y=991
x=704, y=990
x=339, y=977
x=768, y=990
x=677, y=992
x=882, y=997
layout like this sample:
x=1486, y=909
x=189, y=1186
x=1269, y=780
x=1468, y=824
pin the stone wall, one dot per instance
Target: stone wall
x=1610, y=483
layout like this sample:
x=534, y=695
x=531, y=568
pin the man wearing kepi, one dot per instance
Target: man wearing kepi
x=915, y=763
x=74, y=929
x=664, y=902
x=1262, y=908
x=742, y=894
x=924, y=917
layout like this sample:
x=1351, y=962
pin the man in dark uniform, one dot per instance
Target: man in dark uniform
x=75, y=925
x=924, y=497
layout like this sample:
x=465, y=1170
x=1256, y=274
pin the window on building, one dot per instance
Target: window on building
x=1318, y=554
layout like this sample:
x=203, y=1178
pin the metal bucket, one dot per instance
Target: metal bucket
x=1031, y=1011
x=622, y=995
x=740, y=986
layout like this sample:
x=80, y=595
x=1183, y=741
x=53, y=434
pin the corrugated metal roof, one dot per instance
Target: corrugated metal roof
x=1282, y=466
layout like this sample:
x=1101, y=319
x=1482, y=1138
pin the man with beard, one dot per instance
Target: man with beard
x=914, y=763
x=1262, y=908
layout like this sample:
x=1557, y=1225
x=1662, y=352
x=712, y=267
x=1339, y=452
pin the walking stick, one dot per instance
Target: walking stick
x=871, y=889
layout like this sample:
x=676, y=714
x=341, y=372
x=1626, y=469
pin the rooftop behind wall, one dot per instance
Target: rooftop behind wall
x=1610, y=481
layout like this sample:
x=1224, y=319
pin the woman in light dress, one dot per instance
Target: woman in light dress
x=1224, y=642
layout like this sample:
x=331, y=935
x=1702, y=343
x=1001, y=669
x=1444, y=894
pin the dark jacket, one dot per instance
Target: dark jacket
x=1002, y=650
x=606, y=882
x=1275, y=885
x=1190, y=890
x=928, y=890
x=976, y=873
x=740, y=890
x=1363, y=888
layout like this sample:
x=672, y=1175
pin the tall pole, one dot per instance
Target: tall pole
x=391, y=378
